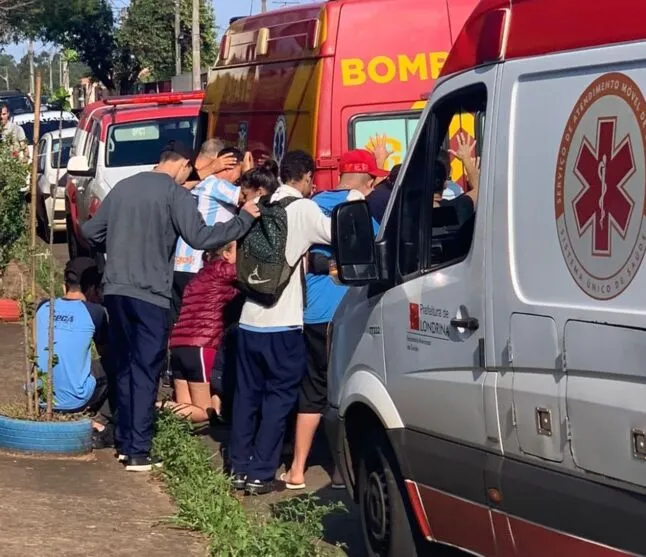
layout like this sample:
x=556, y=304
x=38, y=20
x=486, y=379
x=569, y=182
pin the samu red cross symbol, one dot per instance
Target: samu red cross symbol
x=604, y=170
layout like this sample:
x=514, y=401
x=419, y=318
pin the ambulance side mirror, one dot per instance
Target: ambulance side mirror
x=353, y=241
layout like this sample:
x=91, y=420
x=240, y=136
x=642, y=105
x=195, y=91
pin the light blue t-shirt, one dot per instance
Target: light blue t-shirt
x=76, y=324
x=215, y=197
x=323, y=294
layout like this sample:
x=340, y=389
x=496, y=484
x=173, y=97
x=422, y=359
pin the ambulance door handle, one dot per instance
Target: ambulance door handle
x=468, y=323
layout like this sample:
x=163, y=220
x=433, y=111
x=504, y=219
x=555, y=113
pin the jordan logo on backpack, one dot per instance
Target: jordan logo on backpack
x=254, y=278
x=263, y=271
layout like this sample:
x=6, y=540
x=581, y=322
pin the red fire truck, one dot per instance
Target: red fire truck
x=326, y=77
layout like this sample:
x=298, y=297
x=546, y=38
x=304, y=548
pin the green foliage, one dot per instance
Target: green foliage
x=61, y=99
x=44, y=261
x=205, y=503
x=17, y=71
x=13, y=177
x=85, y=27
x=148, y=31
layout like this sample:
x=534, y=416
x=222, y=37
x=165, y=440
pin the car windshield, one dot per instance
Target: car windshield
x=18, y=104
x=46, y=126
x=141, y=143
x=65, y=154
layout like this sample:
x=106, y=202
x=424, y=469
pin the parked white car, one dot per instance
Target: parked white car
x=49, y=122
x=49, y=149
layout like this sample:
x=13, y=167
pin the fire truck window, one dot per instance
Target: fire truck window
x=398, y=128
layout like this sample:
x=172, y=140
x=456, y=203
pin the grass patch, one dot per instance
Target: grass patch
x=205, y=503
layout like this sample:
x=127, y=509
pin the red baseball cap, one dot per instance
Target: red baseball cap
x=360, y=161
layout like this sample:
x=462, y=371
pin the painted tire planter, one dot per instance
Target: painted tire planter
x=9, y=310
x=46, y=437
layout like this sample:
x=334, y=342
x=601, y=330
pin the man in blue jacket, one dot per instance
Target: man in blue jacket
x=359, y=172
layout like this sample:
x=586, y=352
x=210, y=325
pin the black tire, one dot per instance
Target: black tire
x=386, y=522
x=73, y=248
x=42, y=221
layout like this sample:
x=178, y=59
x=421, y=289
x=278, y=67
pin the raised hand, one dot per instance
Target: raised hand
x=466, y=148
x=378, y=145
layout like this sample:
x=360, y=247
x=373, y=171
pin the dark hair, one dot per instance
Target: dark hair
x=257, y=178
x=444, y=158
x=271, y=165
x=82, y=273
x=5, y=105
x=237, y=153
x=394, y=173
x=175, y=151
x=441, y=175
x=295, y=165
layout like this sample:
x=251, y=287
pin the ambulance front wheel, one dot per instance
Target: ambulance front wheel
x=385, y=519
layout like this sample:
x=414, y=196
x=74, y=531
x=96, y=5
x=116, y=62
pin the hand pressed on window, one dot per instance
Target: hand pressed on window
x=466, y=154
x=378, y=145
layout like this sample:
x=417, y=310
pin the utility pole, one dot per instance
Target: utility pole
x=30, y=54
x=197, y=63
x=51, y=77
x=178, y=45
x=5, y=77
x=263, y=6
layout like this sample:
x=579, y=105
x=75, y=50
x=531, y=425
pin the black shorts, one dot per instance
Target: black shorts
x=192, y=363
x=97, y=401
x=313, y=396
x=180, y=280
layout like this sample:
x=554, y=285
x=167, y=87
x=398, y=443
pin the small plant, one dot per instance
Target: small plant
x=13, y=179
x=205, y=503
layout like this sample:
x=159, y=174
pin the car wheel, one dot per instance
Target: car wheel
x=42, y=221
x=72, y=242
x=385, y=520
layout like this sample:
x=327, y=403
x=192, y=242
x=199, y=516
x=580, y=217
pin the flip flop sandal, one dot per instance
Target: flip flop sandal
x=293, y=487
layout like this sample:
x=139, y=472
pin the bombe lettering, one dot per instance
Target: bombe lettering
x=385, y=69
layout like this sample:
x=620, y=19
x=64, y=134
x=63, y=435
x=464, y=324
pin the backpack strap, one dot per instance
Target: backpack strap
x=286, y=201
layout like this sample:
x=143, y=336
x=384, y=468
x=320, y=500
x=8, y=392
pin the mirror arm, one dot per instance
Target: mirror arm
x=383, y=262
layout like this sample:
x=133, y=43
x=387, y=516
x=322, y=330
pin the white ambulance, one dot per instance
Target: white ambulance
x=487, y=379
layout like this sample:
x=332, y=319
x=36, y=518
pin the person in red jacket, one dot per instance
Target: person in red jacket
x=204, y=316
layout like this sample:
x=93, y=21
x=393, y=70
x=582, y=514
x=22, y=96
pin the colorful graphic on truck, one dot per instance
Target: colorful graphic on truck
x=600, y=187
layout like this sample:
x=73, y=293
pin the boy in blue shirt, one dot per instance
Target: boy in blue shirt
x=79, y=386
x=359, y=171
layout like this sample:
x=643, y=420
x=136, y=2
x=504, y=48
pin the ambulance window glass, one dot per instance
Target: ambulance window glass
x=398, y=128
x=413, y=193
x=453, y=214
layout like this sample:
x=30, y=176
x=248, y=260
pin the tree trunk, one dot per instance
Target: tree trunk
x=32, y=234
x=52, y=277
x=28, y=363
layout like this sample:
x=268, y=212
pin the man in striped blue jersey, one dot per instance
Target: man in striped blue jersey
x=217, y=198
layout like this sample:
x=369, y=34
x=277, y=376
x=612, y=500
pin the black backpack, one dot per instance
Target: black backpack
x=263, y=272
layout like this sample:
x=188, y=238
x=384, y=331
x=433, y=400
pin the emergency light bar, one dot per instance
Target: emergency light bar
x=168, y=98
